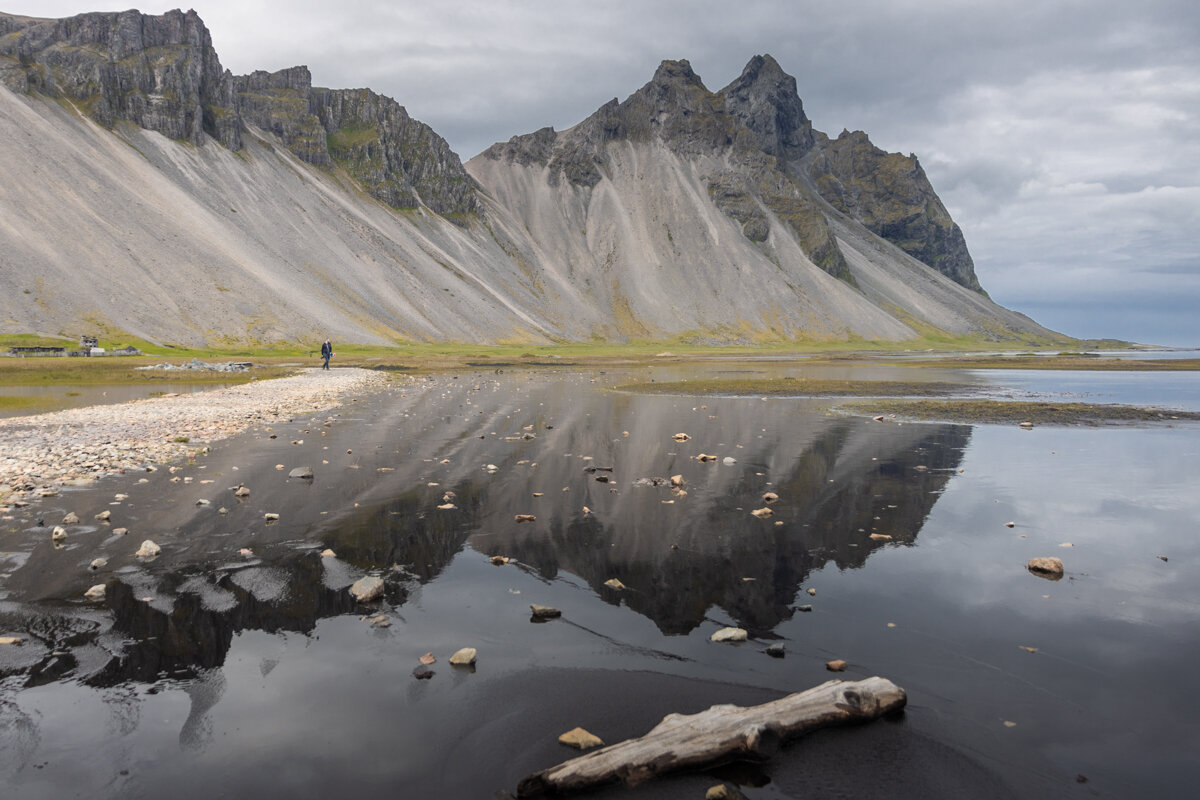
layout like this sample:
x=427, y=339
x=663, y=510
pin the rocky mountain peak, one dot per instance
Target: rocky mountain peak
x=765, y=100
x=672, y=72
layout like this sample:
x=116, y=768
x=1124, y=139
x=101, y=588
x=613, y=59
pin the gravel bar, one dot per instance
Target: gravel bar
x=40, y=453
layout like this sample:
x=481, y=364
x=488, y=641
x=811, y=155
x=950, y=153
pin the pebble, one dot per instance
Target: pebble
x=1046, y=567
x=837, y=665
x=464, y=657
x=730, y=635
x=148, y=550
x=367, y=589
x=580, y=739
x=95, y=593
x=544, y=612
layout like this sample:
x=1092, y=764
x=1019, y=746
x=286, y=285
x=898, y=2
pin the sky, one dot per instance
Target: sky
x=1062, y=135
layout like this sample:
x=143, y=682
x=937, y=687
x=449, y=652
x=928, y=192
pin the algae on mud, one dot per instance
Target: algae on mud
x=985, y=411
x=797, y=387
x=1062, y=361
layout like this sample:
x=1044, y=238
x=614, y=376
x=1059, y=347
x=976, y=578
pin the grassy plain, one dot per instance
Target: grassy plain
x=283, y=359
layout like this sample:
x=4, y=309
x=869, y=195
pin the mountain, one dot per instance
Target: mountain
x=150, y=192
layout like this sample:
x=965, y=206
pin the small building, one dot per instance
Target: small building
x=36, y=351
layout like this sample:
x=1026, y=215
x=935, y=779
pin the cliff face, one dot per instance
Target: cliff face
x=890, y=195
x=395, y=158
x=162, y=74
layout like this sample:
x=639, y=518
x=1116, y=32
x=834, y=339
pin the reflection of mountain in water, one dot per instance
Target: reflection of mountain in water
x=187, y=624
x=839, y=480
x=703, y=550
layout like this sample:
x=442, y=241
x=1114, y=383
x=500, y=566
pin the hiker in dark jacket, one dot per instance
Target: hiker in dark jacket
x=326, y=353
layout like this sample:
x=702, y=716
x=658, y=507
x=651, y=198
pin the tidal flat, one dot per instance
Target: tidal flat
x=236, y=663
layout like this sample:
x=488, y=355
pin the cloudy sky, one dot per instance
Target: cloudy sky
x=1063, y=135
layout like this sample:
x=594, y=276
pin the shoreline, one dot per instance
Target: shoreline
x=76, y=446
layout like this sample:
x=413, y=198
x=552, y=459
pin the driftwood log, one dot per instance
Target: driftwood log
x=722, y=733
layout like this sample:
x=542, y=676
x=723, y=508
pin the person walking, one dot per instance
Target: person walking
x=326, y=353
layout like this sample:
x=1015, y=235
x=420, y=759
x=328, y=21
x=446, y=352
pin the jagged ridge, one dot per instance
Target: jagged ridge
x=781, y=164
x=162, y=74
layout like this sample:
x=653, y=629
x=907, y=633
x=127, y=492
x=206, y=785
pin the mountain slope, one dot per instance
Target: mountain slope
x=149, y=191
x=685, y=210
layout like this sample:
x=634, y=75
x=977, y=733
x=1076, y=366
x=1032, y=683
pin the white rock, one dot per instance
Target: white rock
x=367, y=589
x=58, y=534
x=730, y=635
x=464, y=657
x=95, y=593
x=148, y=550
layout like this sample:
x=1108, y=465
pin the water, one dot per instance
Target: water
x=1168, y=390
x=206, y=672
x=59, y=396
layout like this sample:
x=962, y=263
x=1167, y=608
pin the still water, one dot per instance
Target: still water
x=206, y=672
x=37, y=399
